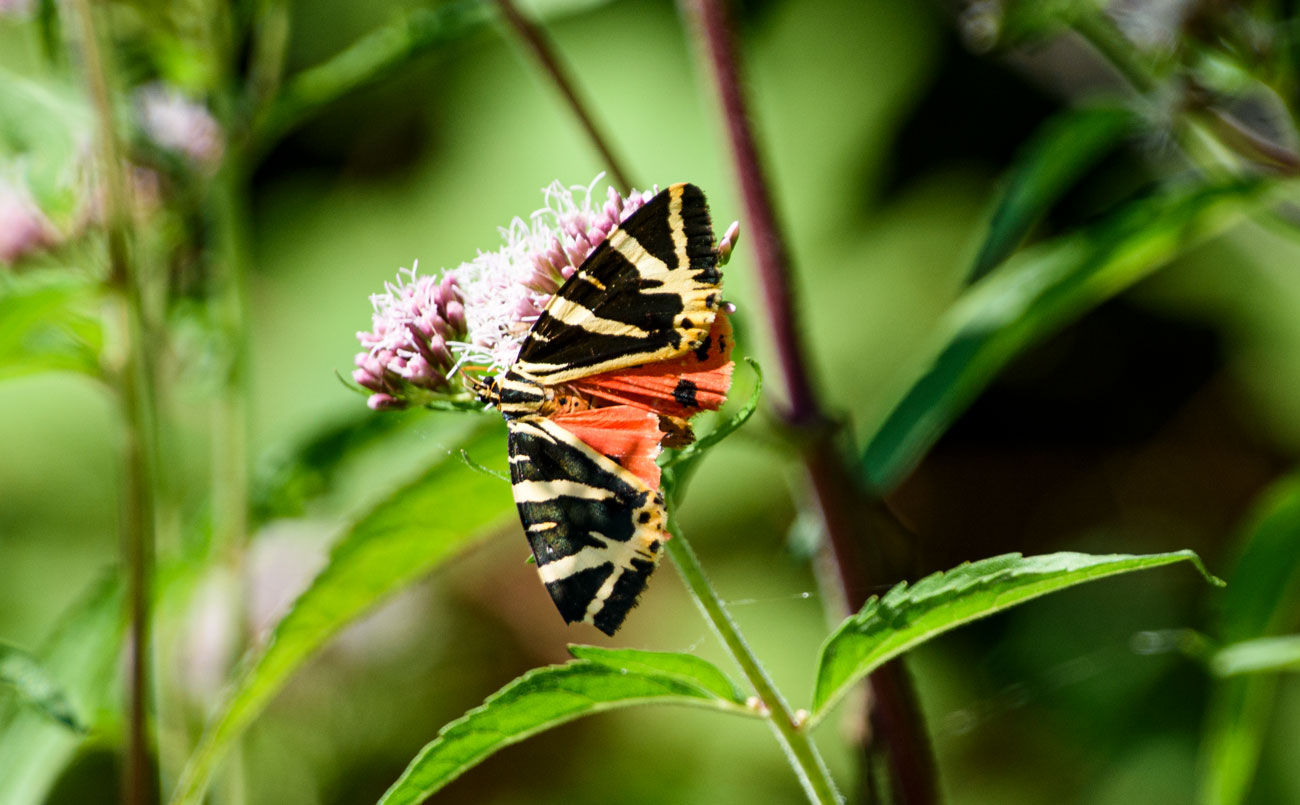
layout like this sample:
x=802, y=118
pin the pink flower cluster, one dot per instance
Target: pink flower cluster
x=407, y=358
x=478, y=316
x=506, y=290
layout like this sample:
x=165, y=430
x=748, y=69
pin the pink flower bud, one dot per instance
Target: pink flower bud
x=24, y=229
x=384, y=402
x=456, y=316
x=363, y=378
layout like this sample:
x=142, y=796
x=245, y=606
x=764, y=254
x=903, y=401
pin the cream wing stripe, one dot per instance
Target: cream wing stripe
x=575, y=315
x=585, y=559
x=542, y=491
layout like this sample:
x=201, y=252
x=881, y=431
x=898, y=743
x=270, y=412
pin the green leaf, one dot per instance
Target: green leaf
x=1261, y=655
x=47, y=323
x=1061, y=152
x=1035, y=293
x=43, y=125
x=288, y=479
x=399, y=541
x=370, y=59
x=83, y=653
x=1262, y=596
x=35, y=686
x=686, y=667
x=1264, y=585
x=909, y=615
x=545, y=698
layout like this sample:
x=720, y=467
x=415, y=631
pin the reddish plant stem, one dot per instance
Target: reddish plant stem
x=537, y=42
x=761, y=224
x=858, y=528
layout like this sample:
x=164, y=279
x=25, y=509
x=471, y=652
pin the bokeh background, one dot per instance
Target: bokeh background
x=1152, y=423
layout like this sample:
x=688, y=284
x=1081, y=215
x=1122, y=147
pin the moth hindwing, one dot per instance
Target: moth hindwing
x=590, y=505
x=596, y=529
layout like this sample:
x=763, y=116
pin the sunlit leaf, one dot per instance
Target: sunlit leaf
x=47, y=323
x=398, y=542
x=83, y=654
x=908, y=615
x=1058, y=156
x=687, y=667
x=1261, y=599
x=44, y=127
x=35, y=686
x=547, y=697
x=291, y=477
x=1262, y=655
x=1033, y=294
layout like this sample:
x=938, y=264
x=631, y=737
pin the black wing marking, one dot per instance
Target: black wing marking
x=595, y=529
x=649, y=292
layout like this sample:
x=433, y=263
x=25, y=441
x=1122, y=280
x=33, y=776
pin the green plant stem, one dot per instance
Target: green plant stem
x=134, y=379
x=270, y=46
x=535, y=39
x=230, y=421
x=793, y=737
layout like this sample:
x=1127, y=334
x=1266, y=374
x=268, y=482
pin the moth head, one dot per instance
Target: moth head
x=488, y=391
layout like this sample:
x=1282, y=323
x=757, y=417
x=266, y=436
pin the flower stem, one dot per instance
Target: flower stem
x=536, y=41
x=851, y=517
x=790, y=733
x=230, y=421
x=133, y=374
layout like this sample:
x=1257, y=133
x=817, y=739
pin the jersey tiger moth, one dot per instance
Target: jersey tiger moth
x=631, y=346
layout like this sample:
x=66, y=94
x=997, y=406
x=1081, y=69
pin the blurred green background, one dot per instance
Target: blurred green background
x=1151, y=424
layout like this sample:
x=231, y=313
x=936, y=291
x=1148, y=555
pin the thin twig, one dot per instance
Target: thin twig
x=135, y=387
x=789, y=731
x=849, y=516
x=536, y=41
x=1109, y=41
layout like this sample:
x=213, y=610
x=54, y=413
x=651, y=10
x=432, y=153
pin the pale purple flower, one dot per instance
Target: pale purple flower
x=479, y=314
x=406, y=357
x=505, y=290
x=23, y=227
x=179, y=124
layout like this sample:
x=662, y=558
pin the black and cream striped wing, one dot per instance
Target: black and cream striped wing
x=596, y=530
x=649, y=292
